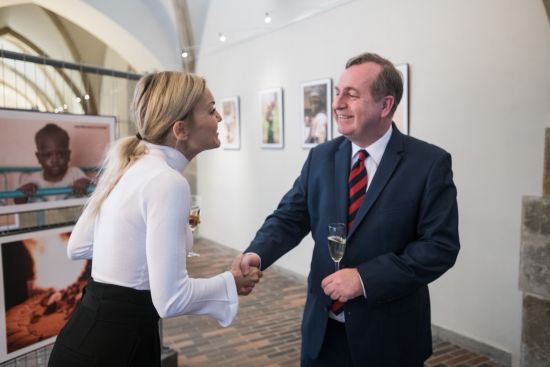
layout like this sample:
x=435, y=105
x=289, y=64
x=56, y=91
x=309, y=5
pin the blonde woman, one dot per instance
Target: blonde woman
x=135, y=228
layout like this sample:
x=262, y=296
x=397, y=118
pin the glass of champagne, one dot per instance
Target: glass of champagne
x=337, y=234
x=194, y=220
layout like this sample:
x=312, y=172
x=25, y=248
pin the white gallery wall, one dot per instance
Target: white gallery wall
x=479, y=88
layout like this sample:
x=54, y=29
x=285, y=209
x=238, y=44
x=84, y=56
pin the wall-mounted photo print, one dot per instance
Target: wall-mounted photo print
x=40, y=289
x=271, y=117
x=46, y=158
x=230, y=128
x=316, y=112
x=401, y=115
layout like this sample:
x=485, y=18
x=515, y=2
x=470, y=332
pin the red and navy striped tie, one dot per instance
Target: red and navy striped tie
x=357, y=184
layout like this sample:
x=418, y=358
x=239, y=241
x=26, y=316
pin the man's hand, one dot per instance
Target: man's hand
x=244, y=282
x=343, y=285
x=248, y=263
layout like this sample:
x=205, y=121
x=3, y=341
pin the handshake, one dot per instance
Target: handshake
x=246, y=271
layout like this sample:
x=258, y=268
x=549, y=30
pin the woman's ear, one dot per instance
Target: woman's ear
x=180, y=130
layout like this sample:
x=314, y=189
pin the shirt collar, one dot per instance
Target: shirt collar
x=173, y=157
x=376, y=149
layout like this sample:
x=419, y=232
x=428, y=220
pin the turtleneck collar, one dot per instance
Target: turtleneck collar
x=173, y=157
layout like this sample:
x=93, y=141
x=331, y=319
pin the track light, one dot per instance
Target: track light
x=222, y=37
x=267, y=18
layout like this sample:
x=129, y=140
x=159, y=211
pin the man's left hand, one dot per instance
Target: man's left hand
x=343, y=285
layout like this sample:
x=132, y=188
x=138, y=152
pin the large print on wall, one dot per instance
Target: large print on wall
x=46, y=158
x=271, y=117
x=40, y=289
x=316, y=112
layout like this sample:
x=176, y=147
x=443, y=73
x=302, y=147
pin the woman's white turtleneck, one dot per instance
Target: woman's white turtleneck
x=141, y=237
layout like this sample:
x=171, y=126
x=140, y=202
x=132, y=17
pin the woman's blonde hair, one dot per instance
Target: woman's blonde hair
x=160, y=99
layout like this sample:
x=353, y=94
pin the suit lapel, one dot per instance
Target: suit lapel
x=341, y=172
x=390, y=159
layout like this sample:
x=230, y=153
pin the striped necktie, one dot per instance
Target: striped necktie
x=357, y=186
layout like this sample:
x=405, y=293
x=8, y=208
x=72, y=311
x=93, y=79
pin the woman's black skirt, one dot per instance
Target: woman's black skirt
x=112, y=326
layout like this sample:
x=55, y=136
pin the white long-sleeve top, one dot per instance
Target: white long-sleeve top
x=141, y=237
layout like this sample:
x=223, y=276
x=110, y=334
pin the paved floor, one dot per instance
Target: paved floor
x=266, y=331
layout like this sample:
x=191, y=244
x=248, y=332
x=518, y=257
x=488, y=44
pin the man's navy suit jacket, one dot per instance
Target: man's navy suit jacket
x=404, y=236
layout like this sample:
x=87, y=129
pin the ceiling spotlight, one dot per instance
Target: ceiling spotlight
x=77, y=99
x=184, y=54
x=222, y=37
x=86, y=96
x=267, y=18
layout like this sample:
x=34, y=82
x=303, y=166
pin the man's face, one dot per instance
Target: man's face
x=53, y=154
x=357, y=114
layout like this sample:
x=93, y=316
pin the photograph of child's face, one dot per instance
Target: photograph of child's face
x=47, y=160
x=54, y=155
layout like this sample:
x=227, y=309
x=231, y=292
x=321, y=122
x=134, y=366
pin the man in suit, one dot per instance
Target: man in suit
x=396, y=195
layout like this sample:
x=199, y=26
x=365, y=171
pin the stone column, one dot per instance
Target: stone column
x=534, y=275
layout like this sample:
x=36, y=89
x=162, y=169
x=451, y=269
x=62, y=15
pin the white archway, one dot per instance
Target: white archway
x=145, y=36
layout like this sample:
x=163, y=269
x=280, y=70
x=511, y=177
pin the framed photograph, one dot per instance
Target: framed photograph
x=271, y=117
x=401, y=115
x=230, y=129
x=40, y=289
x=316, y=112
x=47, y=158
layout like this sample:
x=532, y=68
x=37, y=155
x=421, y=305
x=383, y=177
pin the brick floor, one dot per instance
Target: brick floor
x=266, y=331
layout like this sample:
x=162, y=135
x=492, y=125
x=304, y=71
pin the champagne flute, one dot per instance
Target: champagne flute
x=337, y=234
x=194, y=220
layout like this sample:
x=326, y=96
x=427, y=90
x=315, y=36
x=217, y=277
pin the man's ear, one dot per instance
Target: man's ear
x=180, y=130
x=387, y=105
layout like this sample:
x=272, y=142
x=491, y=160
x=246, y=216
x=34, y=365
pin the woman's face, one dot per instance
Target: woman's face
x=203, y=127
